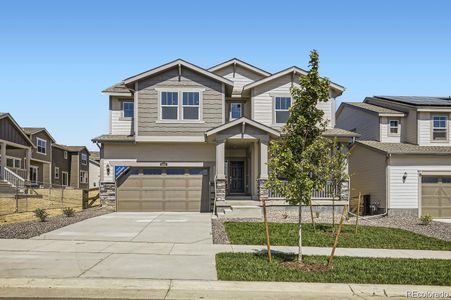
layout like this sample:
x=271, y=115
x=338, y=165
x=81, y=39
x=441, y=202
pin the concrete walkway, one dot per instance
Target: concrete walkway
x=192, y=289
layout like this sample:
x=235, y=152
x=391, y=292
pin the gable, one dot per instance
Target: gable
x=239, y=75
x=10, y=132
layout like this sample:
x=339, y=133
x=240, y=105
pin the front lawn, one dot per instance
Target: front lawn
x=254, y=267
x=285, y=234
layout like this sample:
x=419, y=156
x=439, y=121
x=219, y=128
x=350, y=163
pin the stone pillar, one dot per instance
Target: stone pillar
x=220, y=191
x=262, y=190
x=344, y=195
x=108, y=195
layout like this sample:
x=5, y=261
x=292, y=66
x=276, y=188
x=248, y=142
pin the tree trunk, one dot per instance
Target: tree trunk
x=300, y=233
x=311, y=215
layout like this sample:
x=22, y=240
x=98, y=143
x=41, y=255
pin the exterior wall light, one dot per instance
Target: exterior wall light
x=404, y=177
x=108, y=170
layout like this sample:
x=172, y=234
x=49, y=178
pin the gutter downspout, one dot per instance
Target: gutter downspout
x=387, y=184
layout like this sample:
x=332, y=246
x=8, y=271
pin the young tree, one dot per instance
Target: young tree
x=297, y=161
x=337, y=172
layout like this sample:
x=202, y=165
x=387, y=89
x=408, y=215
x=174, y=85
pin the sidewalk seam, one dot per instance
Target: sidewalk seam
x=94, y=265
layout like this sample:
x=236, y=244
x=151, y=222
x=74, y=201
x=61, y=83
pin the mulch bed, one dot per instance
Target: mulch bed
x=29, y=229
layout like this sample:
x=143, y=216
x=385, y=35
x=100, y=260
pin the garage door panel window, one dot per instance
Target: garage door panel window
x=439, y=128
x=429, y=179
x=152, y=171
x=175, y=171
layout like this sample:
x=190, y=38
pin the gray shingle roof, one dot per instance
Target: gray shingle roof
x=94, y=155
x=419, y=100
x=338, y=132
x=70, y=148
x=374, y=108
x=105, y=138
x=117, y=88
x=32, y=130
x=404, y=148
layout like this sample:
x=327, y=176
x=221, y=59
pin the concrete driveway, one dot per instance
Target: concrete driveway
x=118, y=245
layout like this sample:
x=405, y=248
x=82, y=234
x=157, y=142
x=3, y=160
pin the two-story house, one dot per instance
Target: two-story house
x=402, y=162
x=41, y=156
x=181, y=135
x=71, y=166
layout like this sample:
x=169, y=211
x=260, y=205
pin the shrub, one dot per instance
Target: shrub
x=426, y=219
x=41, y=213
x=69, y=211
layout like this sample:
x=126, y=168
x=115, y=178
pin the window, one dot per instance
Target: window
x=393, y=127
x=127, y=109
x=235, y=111
x=12, y=162
x=175, y=171
x=65, y=154
x=152, y=171
x=439, y=128
x=84, y=159
x=42, y=146
x=282, y=106
x=190, y=106
x=57, y=173
x=169, y=106
x=83, y=177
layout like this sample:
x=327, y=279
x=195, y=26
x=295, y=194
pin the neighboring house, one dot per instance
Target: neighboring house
x=181, y=136
x=403, y=160
x=94, y=169
x=41, y=156
x=15, y=154
x=71, y=166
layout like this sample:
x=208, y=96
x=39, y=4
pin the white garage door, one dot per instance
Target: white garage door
x=436, y=196
x=150, y=190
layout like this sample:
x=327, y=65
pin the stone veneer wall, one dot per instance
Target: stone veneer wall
x=108, y=195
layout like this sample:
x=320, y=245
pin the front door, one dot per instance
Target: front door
x=34, y=175
x=236, y=177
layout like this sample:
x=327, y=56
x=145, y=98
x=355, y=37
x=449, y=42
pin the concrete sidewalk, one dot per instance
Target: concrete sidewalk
x=192, y=289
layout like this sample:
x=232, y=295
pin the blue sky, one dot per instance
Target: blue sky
x=57, y=56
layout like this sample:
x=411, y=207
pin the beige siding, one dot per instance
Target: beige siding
x=367, y=169
x=409, y=134
x=153, y=154
x=385, y=135
x=406, y=194
x=119, y=124
x=363, y=122
x=263, y=103
x=425, y=130
x=241, y=77
x=148, y=106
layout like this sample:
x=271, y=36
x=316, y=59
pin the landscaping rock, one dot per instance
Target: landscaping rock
x=29, y=229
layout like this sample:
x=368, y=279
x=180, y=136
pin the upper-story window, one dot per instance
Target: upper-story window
x=439, y=128
x=41, y=146
x=393, y=127
x=172, y=109
x=190, y=106
x=281, y=108
x=127, y=108
x=236, y=110
x=65, y=154
x=84, y=159
x=169, y=106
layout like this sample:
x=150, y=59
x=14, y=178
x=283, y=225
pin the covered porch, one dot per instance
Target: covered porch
x=241, y=159
x=14, y=162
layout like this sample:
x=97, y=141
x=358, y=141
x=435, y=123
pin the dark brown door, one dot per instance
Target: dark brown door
x=236, y=177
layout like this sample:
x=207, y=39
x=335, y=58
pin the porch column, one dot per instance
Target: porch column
x=263, y=177
x=220, y=191
x=28, y=162
x=3, y=154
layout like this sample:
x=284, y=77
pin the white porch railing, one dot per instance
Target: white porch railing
x=11, y=177
x=325, y=194
x=21, y=172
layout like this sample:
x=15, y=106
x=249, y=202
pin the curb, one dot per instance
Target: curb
x=113, y=288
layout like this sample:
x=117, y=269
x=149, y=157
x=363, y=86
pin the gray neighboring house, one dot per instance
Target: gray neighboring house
x=185, y=138
x=402, y=161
